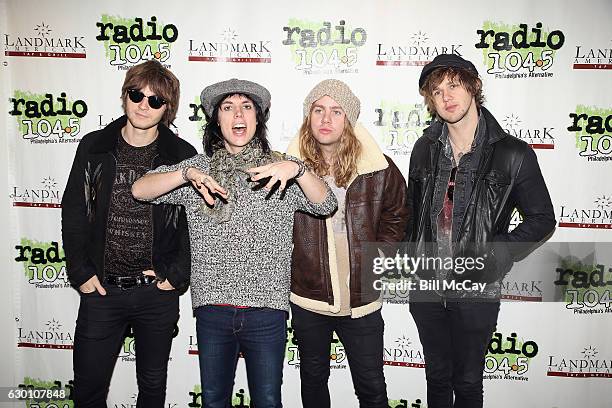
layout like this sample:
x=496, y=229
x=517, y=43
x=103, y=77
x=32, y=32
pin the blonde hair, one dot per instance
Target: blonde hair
x=344, y=159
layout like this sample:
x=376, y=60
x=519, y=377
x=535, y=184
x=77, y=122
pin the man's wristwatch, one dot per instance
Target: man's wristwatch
x=301, y=165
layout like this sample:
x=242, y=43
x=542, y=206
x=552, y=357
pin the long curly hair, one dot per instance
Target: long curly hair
x=344, y=161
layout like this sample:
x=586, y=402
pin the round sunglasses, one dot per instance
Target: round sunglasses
x=155, y=101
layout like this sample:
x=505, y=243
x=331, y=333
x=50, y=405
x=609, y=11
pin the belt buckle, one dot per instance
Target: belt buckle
x=127, y=283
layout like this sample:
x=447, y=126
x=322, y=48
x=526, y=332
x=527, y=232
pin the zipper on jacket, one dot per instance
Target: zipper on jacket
x=349, y=227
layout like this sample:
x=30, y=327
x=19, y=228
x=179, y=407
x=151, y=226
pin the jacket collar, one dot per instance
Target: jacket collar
x=494, y=131
x=372, y=158
x=108, y=140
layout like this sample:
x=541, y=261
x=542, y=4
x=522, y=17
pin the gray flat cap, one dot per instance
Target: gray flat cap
x=212, y=94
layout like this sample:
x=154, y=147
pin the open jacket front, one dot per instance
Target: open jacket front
x=508, y=176
x=376, y=211
x=85, y=206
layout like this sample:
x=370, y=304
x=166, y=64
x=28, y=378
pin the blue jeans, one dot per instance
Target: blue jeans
x=455, y=336
x=259, y=334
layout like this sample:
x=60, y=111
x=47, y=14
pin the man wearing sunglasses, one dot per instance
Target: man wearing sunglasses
x=466, y=177
x=128, y=260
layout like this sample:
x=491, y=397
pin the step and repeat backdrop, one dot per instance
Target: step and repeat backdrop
x=546, y=68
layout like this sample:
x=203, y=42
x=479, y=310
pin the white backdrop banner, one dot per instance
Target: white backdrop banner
x=547, y=73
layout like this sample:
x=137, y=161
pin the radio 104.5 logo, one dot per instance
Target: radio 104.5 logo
x=131, y=40
x=518, y=51
x=592, y=127
x=509, y=358
x=45, y=118
x=585, y=286
x=44, y=263
x=323, y=47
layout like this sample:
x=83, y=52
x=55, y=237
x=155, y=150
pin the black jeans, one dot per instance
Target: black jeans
x=363, y=342
x=455, y=336
x=100, y=330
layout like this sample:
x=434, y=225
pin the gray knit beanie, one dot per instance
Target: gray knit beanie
x=339, y=92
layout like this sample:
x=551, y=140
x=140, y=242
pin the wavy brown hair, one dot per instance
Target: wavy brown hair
x=160, y=80
x=344, y=160
x=465, y=77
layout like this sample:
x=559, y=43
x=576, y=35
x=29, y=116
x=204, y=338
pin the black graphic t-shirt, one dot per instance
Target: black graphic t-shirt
x=129, y=229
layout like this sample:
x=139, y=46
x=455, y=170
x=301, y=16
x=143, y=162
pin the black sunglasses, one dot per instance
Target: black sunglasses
x=155, y=101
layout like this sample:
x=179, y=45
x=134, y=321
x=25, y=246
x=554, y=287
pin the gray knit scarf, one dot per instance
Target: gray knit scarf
x=229, y=171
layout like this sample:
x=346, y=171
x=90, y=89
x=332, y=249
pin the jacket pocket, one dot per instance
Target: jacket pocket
x=495, y=184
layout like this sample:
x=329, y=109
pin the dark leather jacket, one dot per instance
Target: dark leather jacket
x=376, y=212
x=85, y=206
x=508, y=176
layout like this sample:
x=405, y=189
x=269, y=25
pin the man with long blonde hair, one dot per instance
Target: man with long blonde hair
x=329, y=290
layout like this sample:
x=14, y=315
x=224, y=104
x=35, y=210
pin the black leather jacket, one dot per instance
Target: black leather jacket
x=85, y=206
x=508, y=176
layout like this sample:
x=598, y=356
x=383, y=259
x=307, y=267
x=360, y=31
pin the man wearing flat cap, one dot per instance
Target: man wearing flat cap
x=466, y=177
x=240, y=199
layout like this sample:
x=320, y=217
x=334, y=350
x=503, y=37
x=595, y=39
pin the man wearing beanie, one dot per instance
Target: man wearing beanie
x=466, y=177
x=331, y=289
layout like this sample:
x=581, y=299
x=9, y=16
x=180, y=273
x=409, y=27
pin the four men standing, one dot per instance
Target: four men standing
x=129, y=258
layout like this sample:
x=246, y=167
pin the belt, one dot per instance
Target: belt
x=128, y=282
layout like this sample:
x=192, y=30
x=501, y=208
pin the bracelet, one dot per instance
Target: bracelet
x=301, y=165
x=184, y=173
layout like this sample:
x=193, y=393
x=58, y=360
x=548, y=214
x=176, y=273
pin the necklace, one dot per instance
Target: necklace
x=460, y=150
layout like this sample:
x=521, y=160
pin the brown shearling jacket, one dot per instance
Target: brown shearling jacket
x=376, y=213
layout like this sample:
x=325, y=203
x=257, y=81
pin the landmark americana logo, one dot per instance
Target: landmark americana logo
x=589, y=57
x=418, y=50
x=585, y=363
x=402, y=354
x=51, y=334
x=44, y=196
x=597, y=215
x=44, y=41
x=230, y=48
x=538, y=137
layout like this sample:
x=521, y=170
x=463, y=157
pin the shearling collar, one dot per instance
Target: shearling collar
x=372, y=158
